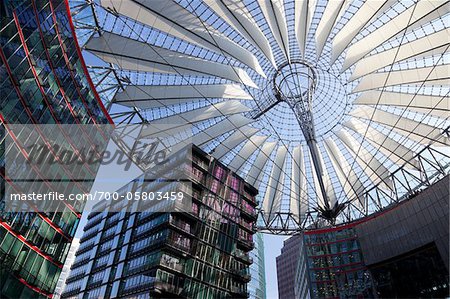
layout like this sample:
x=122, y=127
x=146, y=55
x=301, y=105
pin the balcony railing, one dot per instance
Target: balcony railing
x=88, y=236
x=177, y=267
x=241, y=293
x=112, y=220
x=249, y=212
x=242, y=274
x=80, y=262
x=168, y=287
x=178, y=245
x=181, y=225
x=239, y=254
x=199, y=162
x=136, y=288
x=247, y=243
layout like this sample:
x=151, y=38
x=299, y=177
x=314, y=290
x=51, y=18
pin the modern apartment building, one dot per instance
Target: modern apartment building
x=43, y=81
x=145, y=254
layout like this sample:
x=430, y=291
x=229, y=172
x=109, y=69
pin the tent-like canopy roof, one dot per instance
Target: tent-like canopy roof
x=333, y=109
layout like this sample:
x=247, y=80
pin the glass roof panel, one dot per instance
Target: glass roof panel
x=372, y=95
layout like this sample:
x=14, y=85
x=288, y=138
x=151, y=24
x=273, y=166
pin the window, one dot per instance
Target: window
x=235, y=183
x=219, y=172
x=215, y=186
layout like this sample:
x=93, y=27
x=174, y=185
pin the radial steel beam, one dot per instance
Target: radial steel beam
x=295, y=83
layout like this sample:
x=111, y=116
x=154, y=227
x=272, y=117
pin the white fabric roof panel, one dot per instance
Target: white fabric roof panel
x=350, y=182
x=417, y=131
x=235, y=13
x=427, y=102
x=185, y=119
x=152, y=96
x=415, y=16
x=374, y=169
x=443, y=114
x=139, y=56
x=381, y=80
x=389, y=147
x=234, y=140
x=299, y=200
x=273, y=11
x=256, y=171
x=368, y=11
x=435, y=43
x=331, y=15
x=318, y=194
x=304, y=10
x=234, y=122
x=173, y=19
x=329, y=188
x=246, y=151
x=272, y=196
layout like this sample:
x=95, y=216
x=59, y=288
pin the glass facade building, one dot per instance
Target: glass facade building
x=335, y=265
x=257, y=286
x=43, y=81
x=141, y=253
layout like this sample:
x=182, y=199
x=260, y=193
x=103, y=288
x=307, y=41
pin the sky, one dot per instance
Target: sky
x=272, y=248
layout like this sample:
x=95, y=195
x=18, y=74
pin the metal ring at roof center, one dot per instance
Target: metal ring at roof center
x=293, y=80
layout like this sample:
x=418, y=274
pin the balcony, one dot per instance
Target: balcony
x=249, y=226
x=88, y=236
x=71, y=293
x=85, y=248
x=199, y=162
x=250, y=198
x=108, y=234
x=247, y=244
x=112, y=221
x=250, y=212
x=185, y=227
x=93, y=284
x=239, y=254
x=75, y=277
x=143, y=286
x=165, y=287
x=197, y=176
x=174, y=266
x=93, y=221
x=239, y=293
x=76, y=264
x=179, y=246
x=242, y=274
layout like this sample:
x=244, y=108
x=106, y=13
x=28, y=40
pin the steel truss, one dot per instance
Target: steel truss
x=434, y=165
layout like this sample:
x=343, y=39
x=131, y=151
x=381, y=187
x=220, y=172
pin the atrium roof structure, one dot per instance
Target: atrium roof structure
x=333, y=110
